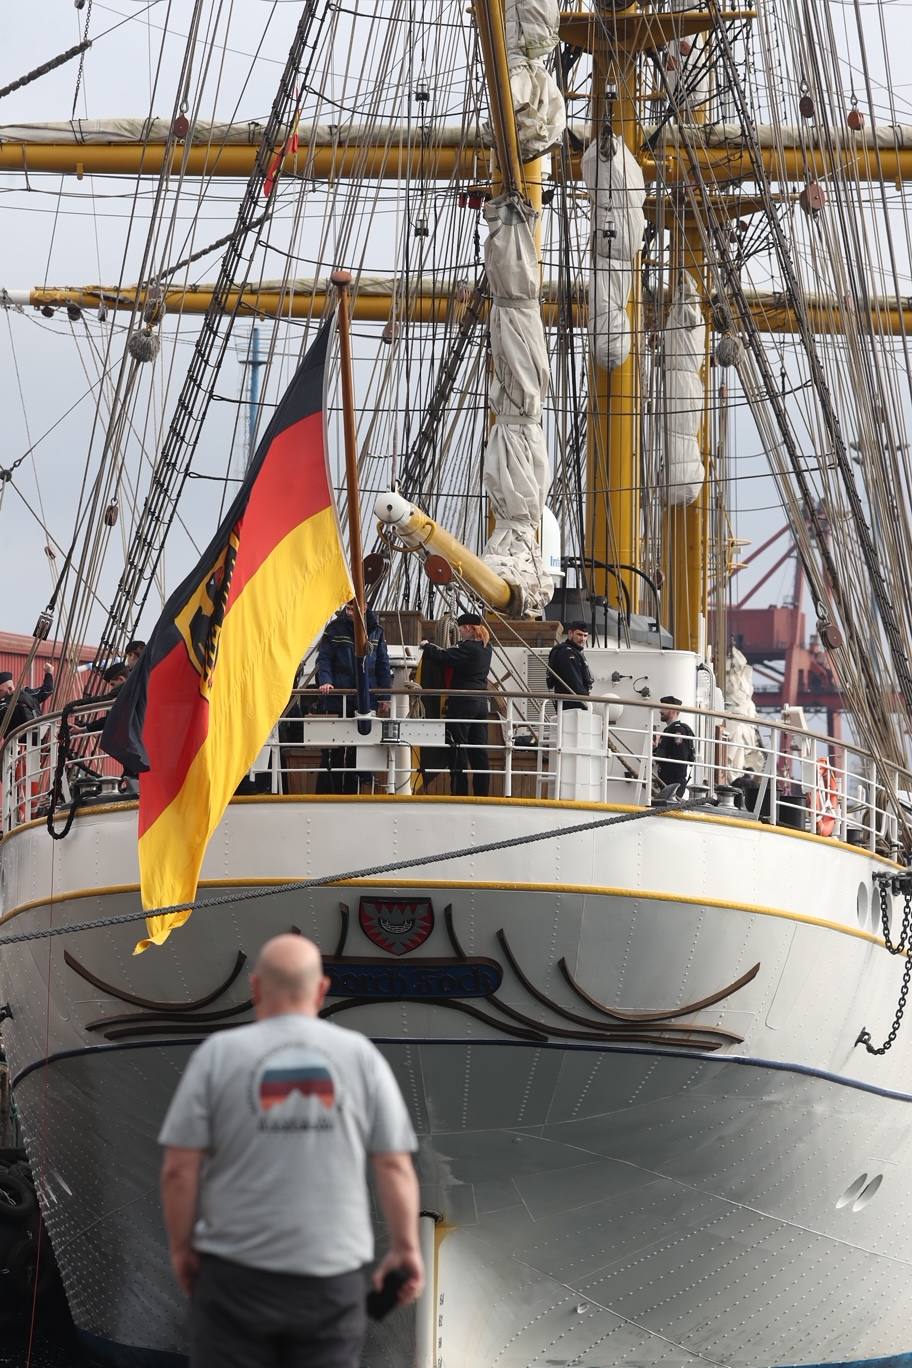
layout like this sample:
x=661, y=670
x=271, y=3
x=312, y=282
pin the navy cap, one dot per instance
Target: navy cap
x=6, y=677
x=670, y=698
x=469, y=620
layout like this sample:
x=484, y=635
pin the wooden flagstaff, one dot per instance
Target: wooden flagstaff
x=341, y=281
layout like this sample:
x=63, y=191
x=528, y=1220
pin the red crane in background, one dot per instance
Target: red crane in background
x=788, y=669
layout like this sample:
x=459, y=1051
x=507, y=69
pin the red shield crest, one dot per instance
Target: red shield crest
x=397, y=925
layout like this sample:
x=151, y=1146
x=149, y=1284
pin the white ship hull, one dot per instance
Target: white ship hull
x=723, y=1183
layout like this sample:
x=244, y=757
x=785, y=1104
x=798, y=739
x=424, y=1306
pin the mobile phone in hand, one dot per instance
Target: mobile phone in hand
x=379, y=1304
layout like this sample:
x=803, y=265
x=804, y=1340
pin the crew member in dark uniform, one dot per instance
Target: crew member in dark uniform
x=466, y=728
x=115, y=676
x=29, y=702
x=674, y=748
x=568, y=670
x=337, y=669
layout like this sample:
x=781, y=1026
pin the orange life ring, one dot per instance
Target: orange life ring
x=827, y=799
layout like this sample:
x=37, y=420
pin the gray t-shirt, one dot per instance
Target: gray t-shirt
x=288, y=1109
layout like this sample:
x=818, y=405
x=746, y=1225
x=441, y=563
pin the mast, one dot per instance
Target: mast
x=525, y=122
x=341, y=281
x=613, y=427
x=686, y=545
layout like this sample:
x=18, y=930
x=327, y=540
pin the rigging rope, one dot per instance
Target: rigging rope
x=209, y=351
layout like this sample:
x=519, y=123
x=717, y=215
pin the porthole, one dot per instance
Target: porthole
x=852, y=1191
x=861, y=1201
x=861, y=904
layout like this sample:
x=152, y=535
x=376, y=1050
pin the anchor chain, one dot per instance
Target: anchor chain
x=887, y=884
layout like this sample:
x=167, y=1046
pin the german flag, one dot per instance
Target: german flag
x=220, y=665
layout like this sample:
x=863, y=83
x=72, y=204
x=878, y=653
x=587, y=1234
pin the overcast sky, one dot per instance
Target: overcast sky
x=63, y=231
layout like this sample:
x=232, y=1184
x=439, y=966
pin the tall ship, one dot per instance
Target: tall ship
x=626, y=286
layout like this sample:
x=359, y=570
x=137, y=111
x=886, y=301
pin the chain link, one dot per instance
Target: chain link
x=902, y=947
x=85, y=46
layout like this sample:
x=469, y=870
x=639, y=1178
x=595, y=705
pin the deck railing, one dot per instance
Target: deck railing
x=532, y=749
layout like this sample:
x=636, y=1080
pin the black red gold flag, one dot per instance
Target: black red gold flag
x=220, y=665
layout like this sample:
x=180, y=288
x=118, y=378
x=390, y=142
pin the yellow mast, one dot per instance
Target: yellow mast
x=613, y=428
x=685, y=527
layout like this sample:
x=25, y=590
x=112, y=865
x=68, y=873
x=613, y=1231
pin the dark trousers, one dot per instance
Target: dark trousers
x=337, y=771
x=248, y=1318
x=337, y=764
x=673, y=772
x=466, y=738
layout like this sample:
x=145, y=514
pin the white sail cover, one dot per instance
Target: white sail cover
x=516, y=464
x=538, y=106
x=617, y=192
x=99, y=132
x=743, y=755
x=684, y=355
x=686, y=74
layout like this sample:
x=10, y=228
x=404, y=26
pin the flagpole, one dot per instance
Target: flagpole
x=342, y=280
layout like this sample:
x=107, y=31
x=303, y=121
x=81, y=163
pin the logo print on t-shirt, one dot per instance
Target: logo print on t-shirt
x=295, y=1089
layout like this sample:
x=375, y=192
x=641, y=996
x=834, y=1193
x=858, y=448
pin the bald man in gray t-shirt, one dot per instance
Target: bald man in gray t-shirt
x=264, y=1183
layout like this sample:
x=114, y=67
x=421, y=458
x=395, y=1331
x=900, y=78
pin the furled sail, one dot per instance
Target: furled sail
x=617, y=192
x=516, y=471
x=538, y=106
x=743, y=739
x=684, y=354
x=686, y=75
x=516, y=461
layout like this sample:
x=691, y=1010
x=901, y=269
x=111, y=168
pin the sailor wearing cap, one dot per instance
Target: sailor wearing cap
x=30, y=701
x=466, y=731
x=568, y=671
x=674, y=748
x=115, y=676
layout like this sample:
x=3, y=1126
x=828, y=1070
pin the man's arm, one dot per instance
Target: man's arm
x=397, y=1189
x=180, y=1182
x=382, y=673
x=47, y=686
x=324, y=663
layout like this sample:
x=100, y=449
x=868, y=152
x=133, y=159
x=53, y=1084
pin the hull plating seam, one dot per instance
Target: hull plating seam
x=563, y=804
x=741, y=1061
x=585, y=890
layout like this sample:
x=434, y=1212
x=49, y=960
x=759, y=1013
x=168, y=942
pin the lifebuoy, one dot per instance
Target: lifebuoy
x=827, y=800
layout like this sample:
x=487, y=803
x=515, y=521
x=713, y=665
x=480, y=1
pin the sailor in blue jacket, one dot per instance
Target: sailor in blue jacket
x=336, y=670
x=336, y=663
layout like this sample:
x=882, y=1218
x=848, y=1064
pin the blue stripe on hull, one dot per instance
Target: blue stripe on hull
x=126, y=1356
x=108, y=1352
x=891, y=1361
